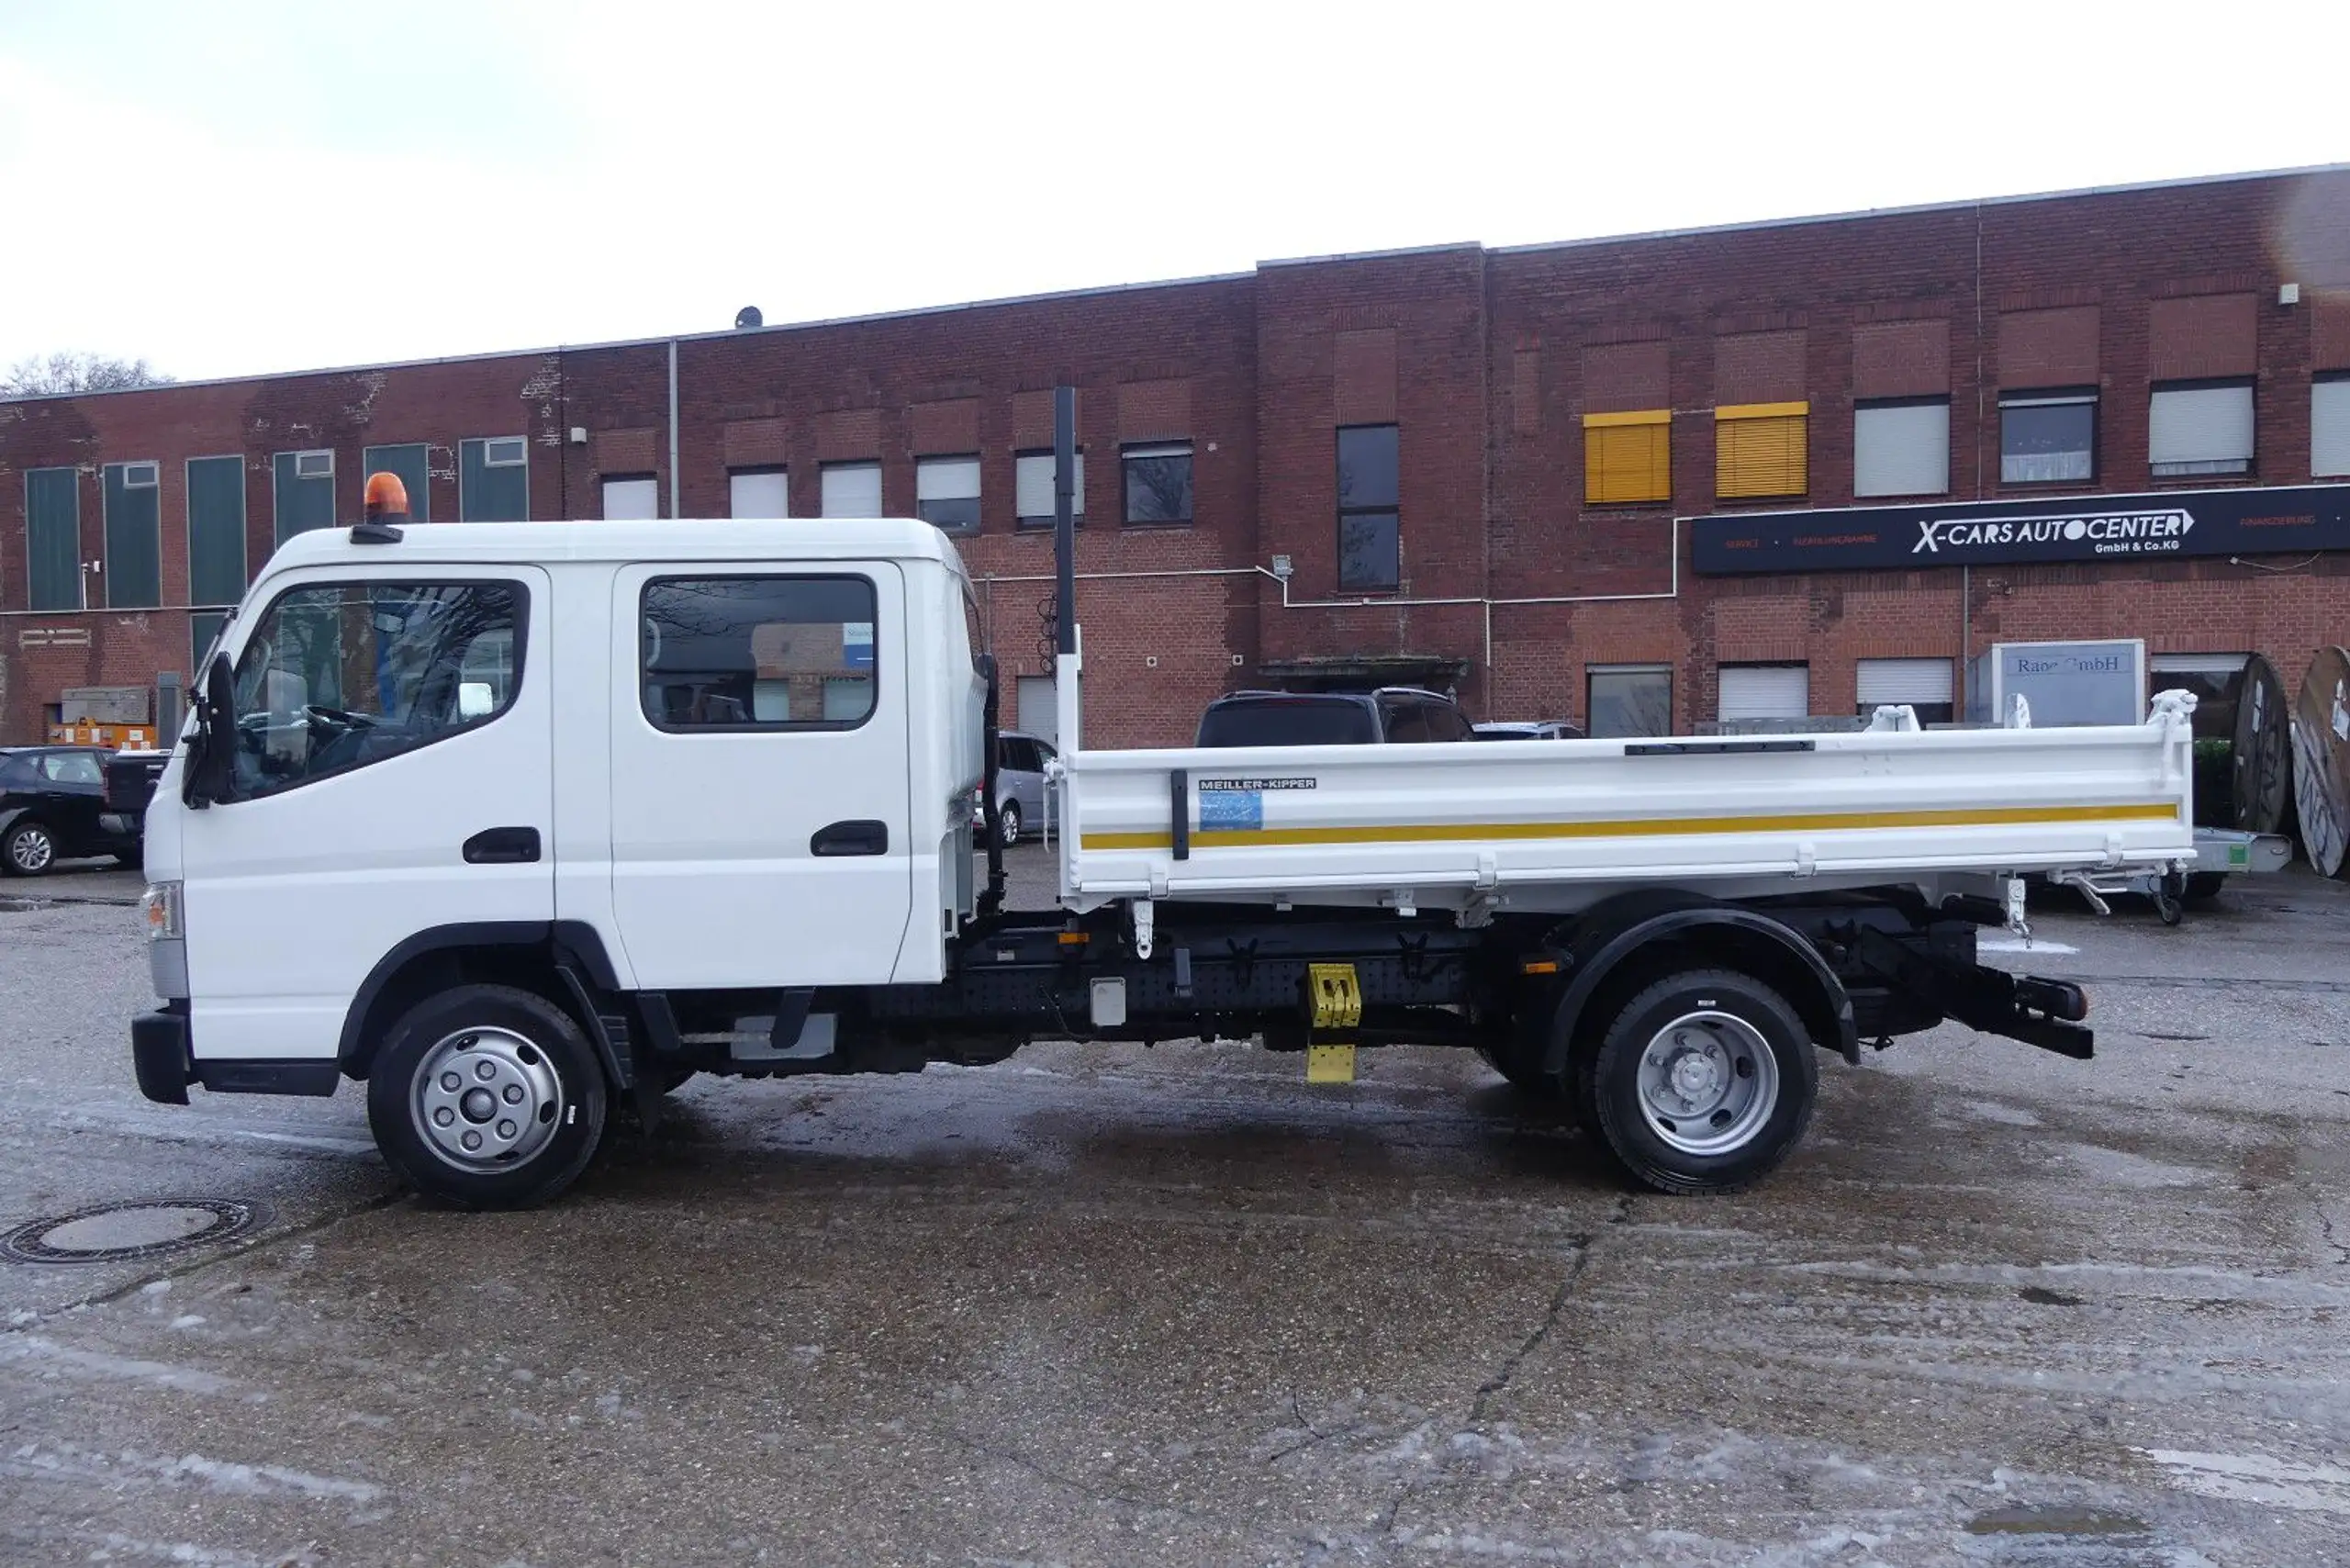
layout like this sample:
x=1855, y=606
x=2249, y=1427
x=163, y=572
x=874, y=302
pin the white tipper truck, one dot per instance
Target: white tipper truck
x=512, y=822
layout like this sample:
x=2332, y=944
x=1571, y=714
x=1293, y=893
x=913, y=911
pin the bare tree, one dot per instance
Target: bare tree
x=67, y=371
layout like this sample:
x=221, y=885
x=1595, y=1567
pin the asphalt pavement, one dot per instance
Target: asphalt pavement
x=1172, y=1306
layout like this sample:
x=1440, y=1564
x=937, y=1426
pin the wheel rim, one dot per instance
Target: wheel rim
x=1010, y=817
x=487, y=1100
x=30, y=849
x=1708, y=1082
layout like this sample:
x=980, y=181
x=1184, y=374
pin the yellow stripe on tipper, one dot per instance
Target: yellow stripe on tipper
x=1647, y=827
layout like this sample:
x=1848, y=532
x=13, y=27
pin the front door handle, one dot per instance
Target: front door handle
x=862, y=837
x=502, y=846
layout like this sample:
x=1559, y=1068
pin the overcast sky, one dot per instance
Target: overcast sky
x=230, y=188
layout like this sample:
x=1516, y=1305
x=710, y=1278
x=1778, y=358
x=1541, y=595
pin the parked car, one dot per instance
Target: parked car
x=1394, y=715
x=1019, y=786
x=130, y=782
x=1529, y=730
x=52, y=808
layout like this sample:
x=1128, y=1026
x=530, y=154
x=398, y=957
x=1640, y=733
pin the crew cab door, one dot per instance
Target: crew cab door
x=390, y=774
x=760, y=799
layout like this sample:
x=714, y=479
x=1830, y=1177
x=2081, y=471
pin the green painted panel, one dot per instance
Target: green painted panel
x=414, y=465
x=52, y=539
x=490, y=494
x=302, y=504
x=202, y=628
x=134, y=571
x=216, y=530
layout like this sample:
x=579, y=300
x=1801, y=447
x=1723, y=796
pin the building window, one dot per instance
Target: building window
x=2048, y=438
x=412, y=465
x=1629, y=700
x=632, y=498
x=1627, y=457
x=1031, y=486
x=204, y=629
x=133, y=578
x=216, y=530
x=493, y=480
x=303, y=486
x=758, y=492
x=1772, y=691
x=852, y=490
x=1760, y=449
x=54, y=539
x=946, y=492
x=2330, y=426
x=1157, y=481
x=2200, y=428
x=1901, y=447
x=1922, y=684
x=757, y=653
x=1371, y=555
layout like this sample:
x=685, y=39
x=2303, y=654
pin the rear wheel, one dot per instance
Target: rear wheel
x=28, y=849
x=1007, y=824
x=1702, y=1082
x=486, y=1097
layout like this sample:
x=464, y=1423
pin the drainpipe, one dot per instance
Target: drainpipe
x=673, y=428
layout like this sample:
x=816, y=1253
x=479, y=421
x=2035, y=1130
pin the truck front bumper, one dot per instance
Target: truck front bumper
x=160, y=1053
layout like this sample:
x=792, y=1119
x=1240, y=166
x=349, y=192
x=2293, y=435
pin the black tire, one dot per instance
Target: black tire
x=1007, y=824
x=496, y=1025
x=28, y=849
x=1609, y=1075
x=2202, y=885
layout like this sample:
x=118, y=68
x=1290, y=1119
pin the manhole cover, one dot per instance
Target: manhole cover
x=120, y=1232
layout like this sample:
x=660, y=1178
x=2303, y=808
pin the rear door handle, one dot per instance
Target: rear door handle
x=862, y=837
x=502, y=846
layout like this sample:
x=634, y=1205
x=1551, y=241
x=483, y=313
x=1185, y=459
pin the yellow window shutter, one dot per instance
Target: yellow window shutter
x=1627, y=457
x=1760, y=449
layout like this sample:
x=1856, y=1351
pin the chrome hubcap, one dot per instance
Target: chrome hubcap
x=1708, y=1082
x=31, y=850
x=487, y=1098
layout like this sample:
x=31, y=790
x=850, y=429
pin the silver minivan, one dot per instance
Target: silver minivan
x=1019, y=785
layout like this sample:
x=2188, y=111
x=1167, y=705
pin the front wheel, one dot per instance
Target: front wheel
x=486, y=1097
x=1703, y=1082
x=29, y=849
x=1007, y=824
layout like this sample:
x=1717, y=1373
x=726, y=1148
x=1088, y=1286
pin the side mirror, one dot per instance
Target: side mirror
x=475, y=700
x=212, y=748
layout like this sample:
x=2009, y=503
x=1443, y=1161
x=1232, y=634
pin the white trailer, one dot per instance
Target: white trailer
x=509, y=823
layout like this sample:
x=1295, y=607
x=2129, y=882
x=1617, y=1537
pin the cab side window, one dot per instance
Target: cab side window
x=757, y=653
x=338, y=675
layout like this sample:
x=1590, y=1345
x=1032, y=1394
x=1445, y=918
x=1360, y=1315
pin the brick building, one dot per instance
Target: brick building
x=1634, y=482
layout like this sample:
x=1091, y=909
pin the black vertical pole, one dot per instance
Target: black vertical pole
x=1064, y=516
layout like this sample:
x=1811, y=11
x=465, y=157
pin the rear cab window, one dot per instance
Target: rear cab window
x=757, y=653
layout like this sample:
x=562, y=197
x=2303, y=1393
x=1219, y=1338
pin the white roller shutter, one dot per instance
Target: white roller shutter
x=1901, y=450
x=1914, y=681
x=2200, y=429
x=2222, y=664
x=1765, y=692
x=632, y=499
x=1036, y=714
x=759, y=495
x=944, y=479
x=2330, y=429
x=852, y=490
x=1032, y=485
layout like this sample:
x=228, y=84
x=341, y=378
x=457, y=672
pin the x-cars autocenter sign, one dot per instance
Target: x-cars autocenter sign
x=2087, y=527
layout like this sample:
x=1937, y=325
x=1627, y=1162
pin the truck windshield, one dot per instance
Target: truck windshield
x=1289, y=721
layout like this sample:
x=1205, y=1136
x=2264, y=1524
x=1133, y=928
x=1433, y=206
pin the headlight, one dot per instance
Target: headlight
x=161, y=905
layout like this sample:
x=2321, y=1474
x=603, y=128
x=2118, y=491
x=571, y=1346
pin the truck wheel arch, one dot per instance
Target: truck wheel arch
x=529, y=953
x=1617, y=944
